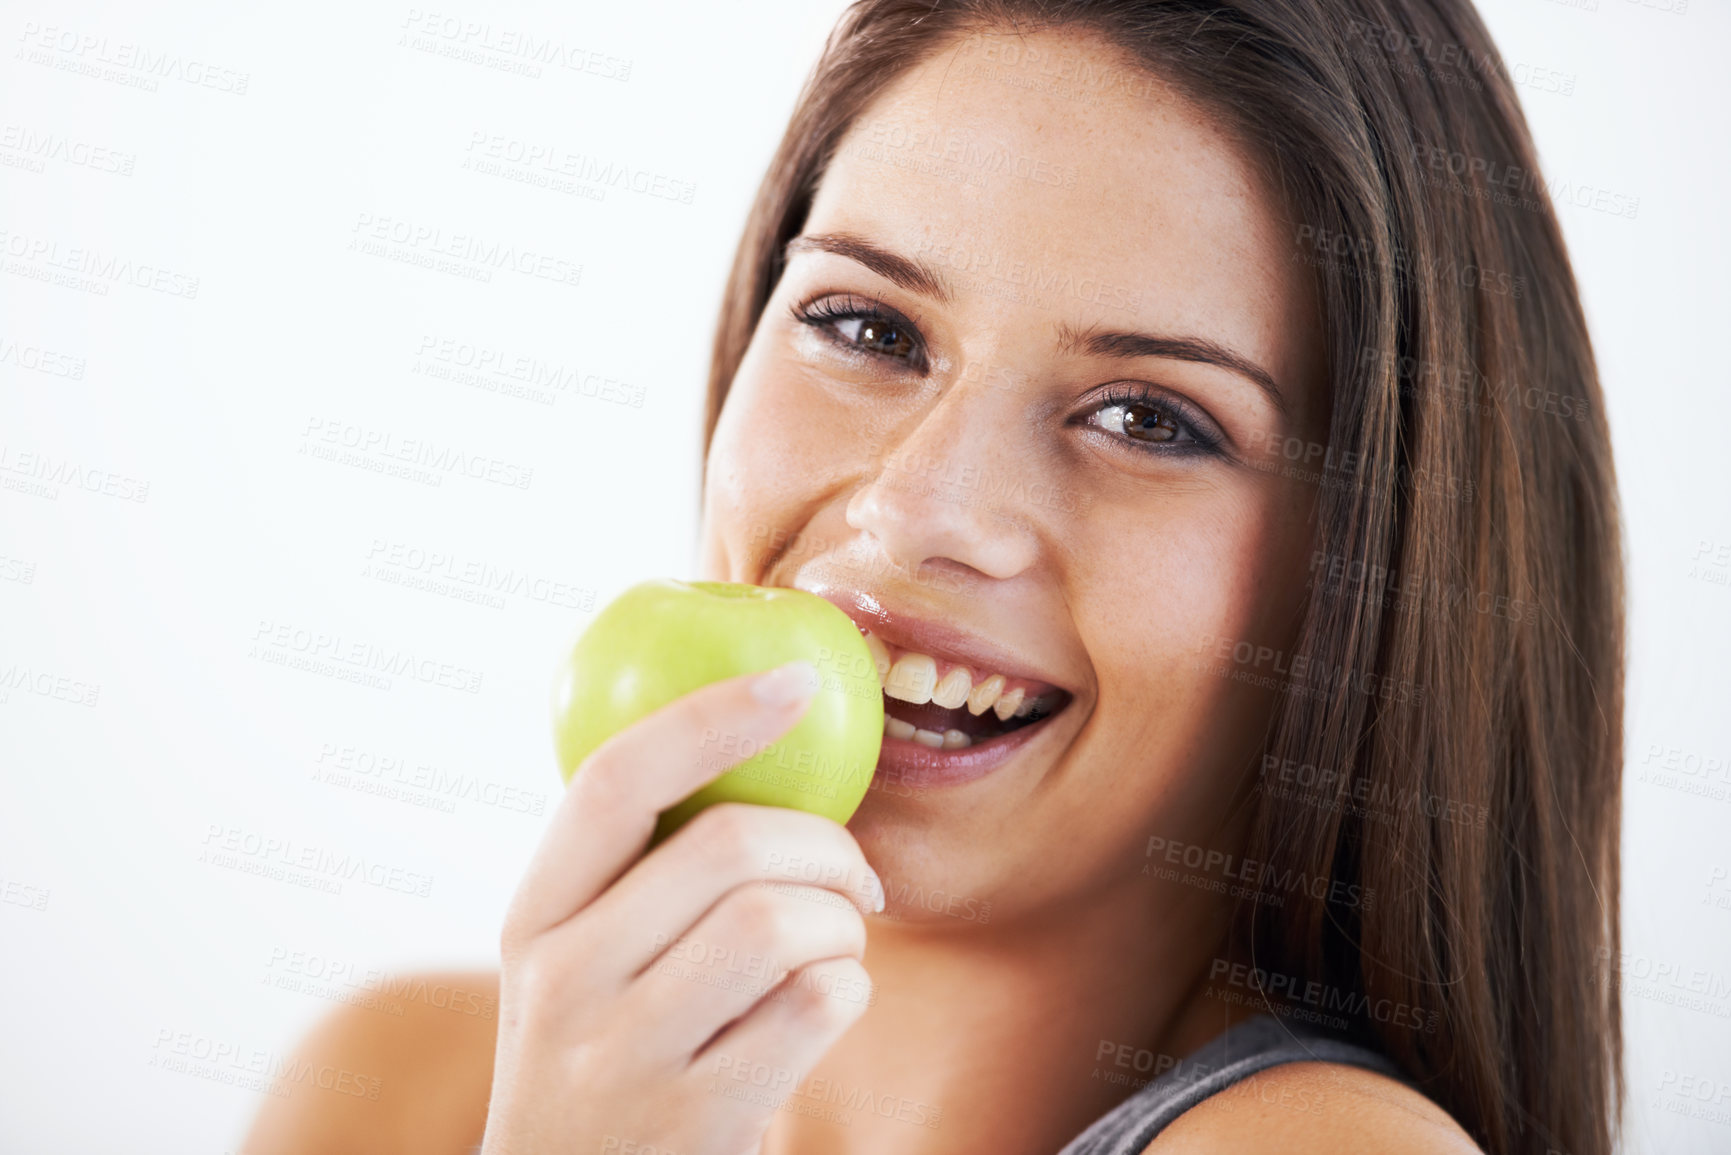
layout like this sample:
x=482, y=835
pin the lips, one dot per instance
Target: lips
x=956, y=706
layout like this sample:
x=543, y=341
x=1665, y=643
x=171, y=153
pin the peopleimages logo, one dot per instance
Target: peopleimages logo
x=332, y=439
x=39, y=360
x=968, y=483
x=419, y=783
x=1260, y=877
x=40, y=255
x=1325, y=998
x=497, y=370
x=1476, y=391
x=503, y=47
x=33, y=149
x=43, y=474
x=468, y=578
x=1354, y=794
x=1027, y=281
x=420, y=244
x=45, y=684
x=344, y=981
x=1297, y=674
x=1512, y=185
x=753, y=1081
x=226, y=845
x=254, y=1068
x=315, y=651
x=136, y=65
x=1338, y=574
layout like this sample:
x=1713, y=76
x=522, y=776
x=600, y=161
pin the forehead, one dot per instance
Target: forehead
x=1042, y=170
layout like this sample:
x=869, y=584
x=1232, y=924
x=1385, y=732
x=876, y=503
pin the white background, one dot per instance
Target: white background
x=118, y=930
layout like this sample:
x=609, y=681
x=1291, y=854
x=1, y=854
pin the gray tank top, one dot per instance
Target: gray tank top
x=1237, y=1053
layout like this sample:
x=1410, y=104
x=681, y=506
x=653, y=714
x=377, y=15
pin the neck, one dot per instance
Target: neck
x=1011, y=1037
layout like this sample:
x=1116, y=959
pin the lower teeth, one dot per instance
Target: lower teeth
x=906, y=731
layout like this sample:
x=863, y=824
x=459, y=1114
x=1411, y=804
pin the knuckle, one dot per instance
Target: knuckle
x=853, y=930
x=540, y=980
x=534, y=979
x=834, y=854
x=550, y=972
x=604, y=782
x=760, y=916
x=824, y=1003
x=728, y=837
x=813, y=830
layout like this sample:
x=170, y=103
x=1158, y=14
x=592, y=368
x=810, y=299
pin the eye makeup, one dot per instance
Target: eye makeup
x=1144, y=417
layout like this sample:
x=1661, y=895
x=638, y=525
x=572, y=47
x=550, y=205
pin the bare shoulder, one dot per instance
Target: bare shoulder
x=409, y=1069
x=1327, y=1108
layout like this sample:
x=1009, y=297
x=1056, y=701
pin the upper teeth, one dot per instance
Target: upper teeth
x=982, y=696
x=913, y=678
x=880, y=654
x=953, y=689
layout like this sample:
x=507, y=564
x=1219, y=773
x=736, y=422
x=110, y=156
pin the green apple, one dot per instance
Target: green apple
x=662, y=639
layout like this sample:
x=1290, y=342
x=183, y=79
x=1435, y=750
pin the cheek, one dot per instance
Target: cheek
x=766, y=471
x=1180, y=571
x=1197, y=578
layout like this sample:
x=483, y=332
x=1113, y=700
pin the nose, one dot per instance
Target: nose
x=947, y=492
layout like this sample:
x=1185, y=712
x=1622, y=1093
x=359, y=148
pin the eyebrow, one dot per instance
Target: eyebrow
x=919, y=277
x=1196, y=349
x=914, y=276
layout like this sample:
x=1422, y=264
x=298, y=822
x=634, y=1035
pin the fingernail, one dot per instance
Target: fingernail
x=785, y=685
x=875, y=887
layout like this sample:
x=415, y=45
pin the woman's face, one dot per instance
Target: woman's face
x=1012, y=407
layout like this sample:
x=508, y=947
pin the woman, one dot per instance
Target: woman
x=1193, y=401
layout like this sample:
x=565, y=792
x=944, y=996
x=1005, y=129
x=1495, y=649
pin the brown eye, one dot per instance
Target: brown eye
x=877, y=335
x=862, y=325
x=1146, y=423
x=1156, y=426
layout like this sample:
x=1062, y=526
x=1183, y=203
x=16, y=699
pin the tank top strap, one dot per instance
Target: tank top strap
x=1235, y=1054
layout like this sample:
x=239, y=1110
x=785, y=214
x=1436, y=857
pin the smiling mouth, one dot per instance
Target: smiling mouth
x=946, y=705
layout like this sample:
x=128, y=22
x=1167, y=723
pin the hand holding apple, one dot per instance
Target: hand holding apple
x=662, y=639
x=605, y=1022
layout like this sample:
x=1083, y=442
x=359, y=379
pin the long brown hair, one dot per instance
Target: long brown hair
x=1469, y=464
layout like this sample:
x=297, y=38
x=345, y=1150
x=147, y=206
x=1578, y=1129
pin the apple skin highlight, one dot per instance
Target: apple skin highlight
x=662, y=639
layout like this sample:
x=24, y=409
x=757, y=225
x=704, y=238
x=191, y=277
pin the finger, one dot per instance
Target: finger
x=608, y=813
x=738, y=953
x=729, y=845
x=778, y=1043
